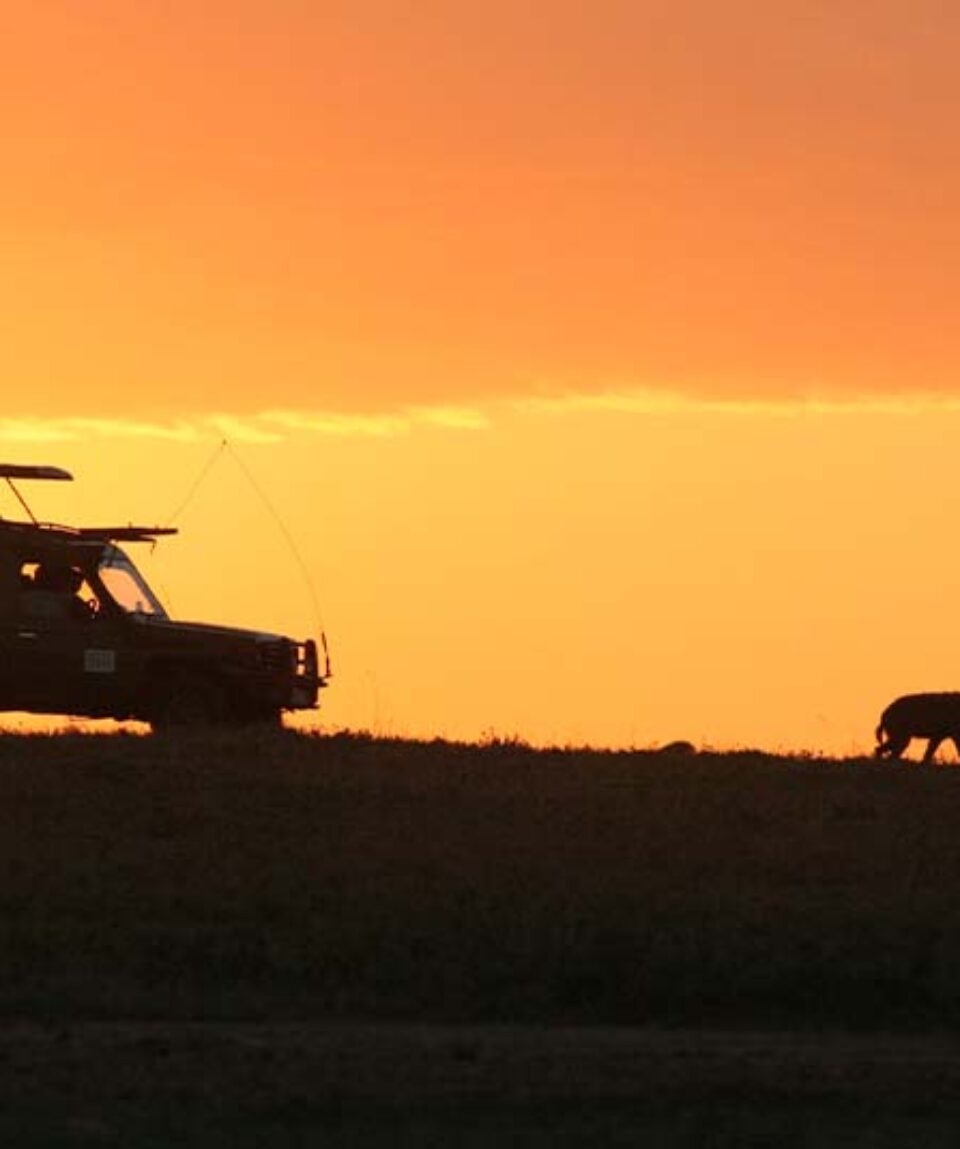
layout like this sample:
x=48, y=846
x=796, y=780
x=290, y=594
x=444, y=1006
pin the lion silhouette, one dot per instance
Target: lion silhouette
x=935, y=717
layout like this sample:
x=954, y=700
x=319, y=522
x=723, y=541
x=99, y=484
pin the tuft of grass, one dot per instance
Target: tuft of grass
x=284, y=875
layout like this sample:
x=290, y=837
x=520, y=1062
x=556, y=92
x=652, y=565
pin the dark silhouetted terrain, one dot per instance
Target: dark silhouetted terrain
x=268, y=914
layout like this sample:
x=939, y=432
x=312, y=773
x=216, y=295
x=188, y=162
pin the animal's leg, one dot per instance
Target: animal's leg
x=933, y=746
x=894, y=746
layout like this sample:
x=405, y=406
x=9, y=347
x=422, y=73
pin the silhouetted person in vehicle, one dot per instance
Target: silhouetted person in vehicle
x=54, y=593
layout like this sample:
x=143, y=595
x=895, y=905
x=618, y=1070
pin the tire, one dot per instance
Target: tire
x=261, y=718
x=189, y=701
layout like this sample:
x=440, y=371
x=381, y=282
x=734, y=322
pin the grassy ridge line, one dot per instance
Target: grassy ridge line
x=291, y=876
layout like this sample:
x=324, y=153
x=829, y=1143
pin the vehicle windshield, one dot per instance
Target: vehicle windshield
x=126, y=585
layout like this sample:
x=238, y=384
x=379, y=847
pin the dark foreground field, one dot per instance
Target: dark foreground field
x=273, y=939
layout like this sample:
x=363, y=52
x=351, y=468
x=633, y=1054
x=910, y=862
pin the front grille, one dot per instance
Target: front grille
x=276, y=656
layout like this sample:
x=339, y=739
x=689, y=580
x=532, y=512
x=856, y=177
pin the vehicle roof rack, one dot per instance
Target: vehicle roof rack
x=91, y=535
x=23, y=471
x=128, y=534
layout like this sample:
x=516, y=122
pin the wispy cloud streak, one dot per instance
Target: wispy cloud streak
x=83, y=427
x=332, y=423
x=264, y=427
x=277, y=425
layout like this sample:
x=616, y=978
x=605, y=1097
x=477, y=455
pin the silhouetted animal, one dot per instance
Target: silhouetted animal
x=935, y=717
x=679, y=747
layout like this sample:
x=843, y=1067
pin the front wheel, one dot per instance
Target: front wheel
x=260, y=717
x=188, y=701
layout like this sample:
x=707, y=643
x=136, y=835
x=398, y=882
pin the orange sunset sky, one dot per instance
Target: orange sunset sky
x=601, y=358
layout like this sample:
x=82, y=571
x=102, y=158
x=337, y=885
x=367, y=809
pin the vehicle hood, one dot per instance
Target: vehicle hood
x=212, y=630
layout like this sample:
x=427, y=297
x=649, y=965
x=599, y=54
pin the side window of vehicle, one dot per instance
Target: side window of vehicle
x=55, y=592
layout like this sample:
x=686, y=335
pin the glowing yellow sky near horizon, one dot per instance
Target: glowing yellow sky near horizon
x=733, y=577
x=601, y=357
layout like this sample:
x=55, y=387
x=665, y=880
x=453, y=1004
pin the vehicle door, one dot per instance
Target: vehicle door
x=66, y=656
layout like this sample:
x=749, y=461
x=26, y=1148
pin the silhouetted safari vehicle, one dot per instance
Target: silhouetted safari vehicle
x=81, y=633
